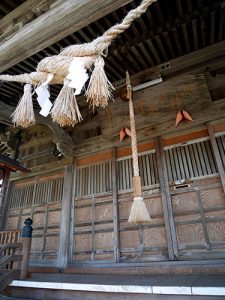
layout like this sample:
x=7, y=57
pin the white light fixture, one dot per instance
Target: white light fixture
x=147, y=84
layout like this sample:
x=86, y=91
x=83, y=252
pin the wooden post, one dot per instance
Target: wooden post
x=3, y=195
x=115, y=208
x=64, y=241
x=26, y=242
x=217, y=155
x=6, y=206
x=166, y=202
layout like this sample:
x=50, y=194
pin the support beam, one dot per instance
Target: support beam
x=22, y=15
x=192, y=63
x=217, y=155
x=67, y=17
x=3, y=195
x=166, y=202
x=115, y=208
x=65, y=217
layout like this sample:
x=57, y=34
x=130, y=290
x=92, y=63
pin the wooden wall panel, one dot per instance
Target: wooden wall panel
x=51, y=243
x=44, y=207
x=83, y=215
x=83, y=242
x=185, y=202
x=39, y=219
x=154, y=237
x=54, y=218
x=104, y=212
x=104, y=241
x=12, y=222
x=190, y=235
x=129, y=239
x=213, y=198
x=216, y=231
x=147, y=242
x=36, y=246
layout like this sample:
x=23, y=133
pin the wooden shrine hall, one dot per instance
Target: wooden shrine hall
x=79, y=191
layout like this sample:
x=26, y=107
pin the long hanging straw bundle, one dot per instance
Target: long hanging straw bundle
x=24, y=114
x=139, y=213
x=99, y=89
x=65, y=110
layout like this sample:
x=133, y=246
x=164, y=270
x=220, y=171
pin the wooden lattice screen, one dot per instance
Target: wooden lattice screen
x=190, y=161
x=94, y=179
x=49, y=191
x=221, y=145
x=148, y=171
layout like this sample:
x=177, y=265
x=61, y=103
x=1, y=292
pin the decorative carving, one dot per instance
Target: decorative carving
x=63, y=141
x=8, y=141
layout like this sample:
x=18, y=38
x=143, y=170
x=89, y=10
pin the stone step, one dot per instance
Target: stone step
x=12, y=298
x=99, y=287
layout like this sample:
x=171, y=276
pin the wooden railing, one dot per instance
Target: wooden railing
x=10, y=258
x=15, y=252
x=10, y=236
x=10, y=254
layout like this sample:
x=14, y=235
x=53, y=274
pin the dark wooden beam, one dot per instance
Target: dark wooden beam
x=212, y=26
x=195, y=33
x=221, y=23
x=68, y=17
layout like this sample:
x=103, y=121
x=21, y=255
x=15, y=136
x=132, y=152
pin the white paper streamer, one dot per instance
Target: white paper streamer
x=43, y=97
x=77, y=75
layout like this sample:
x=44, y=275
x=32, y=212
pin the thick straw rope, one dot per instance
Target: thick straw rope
x=58, y=64
x=34, y=78
x=138, y=213
x=99, y=45
x=133, y=132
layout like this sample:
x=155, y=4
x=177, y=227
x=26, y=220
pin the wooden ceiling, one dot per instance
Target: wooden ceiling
x=6, y=6
x=169, y=29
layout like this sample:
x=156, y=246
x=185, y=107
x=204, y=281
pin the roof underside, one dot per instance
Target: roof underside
x=169, y=29
x=6, y=6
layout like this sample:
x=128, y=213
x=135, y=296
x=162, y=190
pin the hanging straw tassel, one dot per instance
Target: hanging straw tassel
x=99, y=89
x=65, y=111
x=139, y=213
x=24, y=113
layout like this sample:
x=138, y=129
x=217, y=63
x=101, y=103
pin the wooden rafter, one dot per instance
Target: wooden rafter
x=67, y=17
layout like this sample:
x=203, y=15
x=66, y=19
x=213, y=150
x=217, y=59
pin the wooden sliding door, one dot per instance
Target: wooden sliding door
x=198, y=200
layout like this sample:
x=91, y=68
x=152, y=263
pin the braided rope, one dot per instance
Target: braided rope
x=100, y=44
x=58, y=64
x=34, y=78
x=133, y=131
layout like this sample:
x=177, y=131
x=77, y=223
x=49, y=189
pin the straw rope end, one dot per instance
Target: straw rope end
x=139, y=213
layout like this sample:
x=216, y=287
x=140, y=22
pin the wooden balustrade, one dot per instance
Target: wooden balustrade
x=10, y=236
x=15, y=249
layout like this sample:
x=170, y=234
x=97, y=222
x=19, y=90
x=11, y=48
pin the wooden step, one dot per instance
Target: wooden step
x=7, y=276
x=99, y=287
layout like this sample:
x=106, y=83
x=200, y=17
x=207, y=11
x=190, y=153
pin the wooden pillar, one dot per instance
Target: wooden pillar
x=166, y=202
x=3, y=196
x=6, y=206
x=64, y=240
x=115, y=208
x=216, y=152
x=26, y=242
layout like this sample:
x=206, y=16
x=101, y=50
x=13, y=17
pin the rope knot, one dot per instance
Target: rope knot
x=27, y=87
